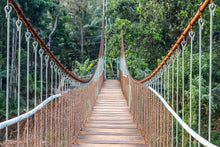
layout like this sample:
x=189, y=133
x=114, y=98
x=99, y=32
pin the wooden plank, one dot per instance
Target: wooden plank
x=111, y=123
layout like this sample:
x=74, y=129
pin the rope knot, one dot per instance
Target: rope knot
x=212, y=8
x=35, y=44
x=47, y=57
x=41, y=52
x=19, y=24
x=8, y=9
x=192, y=35
x=201, y=22
x=183, y=43
x=55, y=68
x=28, y=35
x=51, y=64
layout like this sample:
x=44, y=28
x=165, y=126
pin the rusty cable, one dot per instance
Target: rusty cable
x=27, y=23
x=192, y=22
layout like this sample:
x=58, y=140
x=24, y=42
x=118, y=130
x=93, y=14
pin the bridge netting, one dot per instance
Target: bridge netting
x=62, y=100
x=160, y=101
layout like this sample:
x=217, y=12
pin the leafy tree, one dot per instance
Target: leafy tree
x=85, y=69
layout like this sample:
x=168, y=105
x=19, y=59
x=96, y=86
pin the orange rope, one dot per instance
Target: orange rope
x=47, y=50
x=192, y=22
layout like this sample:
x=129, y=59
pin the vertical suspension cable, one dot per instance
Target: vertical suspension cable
x=55, y=115
x=201, y=23
x=19, y=24
x=173, y=59
x=158, y=113
x=168, y=98
x=177, y=95
x=41, y=52
x=51, y=106
x=164, y=96
x=69, y=111
x=59, y=113
x=192, y=35
x=35, y=45
x=156, y=110
x=183, y=43
x=149, y=113
x=62, y=107
x=8, y=9
x=28, y=35
x=212, y=8
x=154, y=117
x=46, y=61
x=161, y=86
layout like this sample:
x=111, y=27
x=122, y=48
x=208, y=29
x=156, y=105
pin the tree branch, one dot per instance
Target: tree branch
x=52, y=32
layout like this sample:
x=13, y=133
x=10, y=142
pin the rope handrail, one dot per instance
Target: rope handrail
x=47, y=50
x=29, y=113
x=58, y=94
x=181, y=122
x=178, y=42
x=159, y=102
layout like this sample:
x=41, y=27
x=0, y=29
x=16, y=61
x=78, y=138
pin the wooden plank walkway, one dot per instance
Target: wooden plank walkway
x=110, y=123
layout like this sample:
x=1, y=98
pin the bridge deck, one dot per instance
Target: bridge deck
x=110, y=123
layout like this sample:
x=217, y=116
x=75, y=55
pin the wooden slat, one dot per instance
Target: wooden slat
x=111, y=123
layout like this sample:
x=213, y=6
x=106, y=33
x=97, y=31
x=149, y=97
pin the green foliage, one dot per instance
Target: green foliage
x=65, y=42
x=149, y=29
x=148, y=34
x=84, y=69
x=138, y=68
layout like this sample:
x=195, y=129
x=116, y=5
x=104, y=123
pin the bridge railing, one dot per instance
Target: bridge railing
x=52, y=104
x=167, y=104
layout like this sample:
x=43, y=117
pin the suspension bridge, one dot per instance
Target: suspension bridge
x=71, y=111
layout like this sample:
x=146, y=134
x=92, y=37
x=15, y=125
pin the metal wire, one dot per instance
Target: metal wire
x=173, y=64
x=40, y=123
x=164, y=96
x=46, y=61
x=152, y=80
x=192, y=35
x=28, y=35
x=59, y=118
x=212, y=8
x=177, y=95
x=19, y=24
x=35, y=44
x=51, y=106
x=55, y=115
x=138, y=106
x=8, y=9
x=161, y=86
x=41, y=52
x=62, y=84
x=178, y=42
x=183, y=43
x=201, y=23
x=158, y=85
x=168, y=98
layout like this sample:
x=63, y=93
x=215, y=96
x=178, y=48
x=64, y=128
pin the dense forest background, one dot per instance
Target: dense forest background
x=72, y=30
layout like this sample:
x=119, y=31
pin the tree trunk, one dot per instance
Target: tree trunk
x=52, y=32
